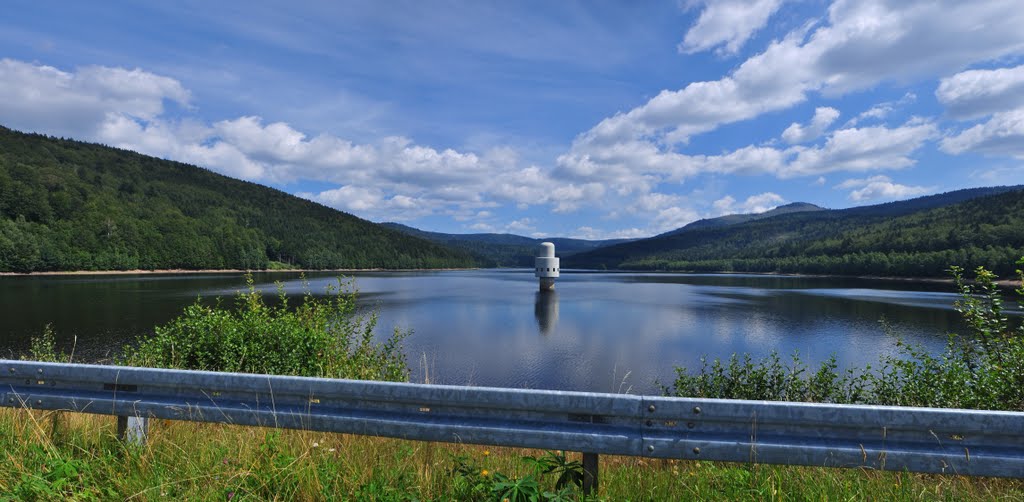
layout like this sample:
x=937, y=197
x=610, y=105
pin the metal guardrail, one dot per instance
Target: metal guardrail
x=947, y=441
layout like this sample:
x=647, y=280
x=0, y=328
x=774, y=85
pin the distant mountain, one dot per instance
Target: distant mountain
x=69, y=205
x=504, y=250
x=735, y=219
x=918, y=237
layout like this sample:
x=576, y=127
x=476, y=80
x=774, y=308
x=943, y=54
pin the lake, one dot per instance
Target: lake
x=607, y=332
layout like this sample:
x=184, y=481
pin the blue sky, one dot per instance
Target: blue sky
x=586, y=119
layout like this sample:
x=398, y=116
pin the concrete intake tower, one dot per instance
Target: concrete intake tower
x=546, y=266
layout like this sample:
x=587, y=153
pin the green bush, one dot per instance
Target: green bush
x=982, y=370
x=323, y=337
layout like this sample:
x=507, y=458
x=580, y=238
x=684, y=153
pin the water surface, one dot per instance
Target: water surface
x=609, y=332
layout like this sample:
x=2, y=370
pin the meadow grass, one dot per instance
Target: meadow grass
x=72, y=456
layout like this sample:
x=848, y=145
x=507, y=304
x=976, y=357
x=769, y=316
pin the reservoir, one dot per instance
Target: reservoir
x=598, y=331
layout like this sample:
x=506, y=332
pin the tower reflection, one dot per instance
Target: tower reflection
x=545, y=309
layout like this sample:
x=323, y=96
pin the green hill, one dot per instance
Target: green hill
x=505, y=250
x=735, y=219
x=916, y=238
x=69, y=205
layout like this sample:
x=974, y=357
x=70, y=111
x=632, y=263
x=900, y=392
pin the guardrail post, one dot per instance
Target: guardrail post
x=589, y=473
x=132, y=430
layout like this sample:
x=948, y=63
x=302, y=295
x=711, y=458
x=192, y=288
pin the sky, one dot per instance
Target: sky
x=589, y=119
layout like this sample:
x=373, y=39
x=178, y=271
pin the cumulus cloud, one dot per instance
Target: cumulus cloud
x=862, y=149
x=727, y=25
x=861, y=44
x=823, y=117
x=42, y=98
x=880, y=188
x=754, y=204
x=591, y=233
x=1002, y=134
x=389, y=178
x=998, y=94
x=882, y=110
x=977, y=93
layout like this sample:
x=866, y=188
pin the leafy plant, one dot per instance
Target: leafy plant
x=323, y=337
x=569, y=473
x=524, y=489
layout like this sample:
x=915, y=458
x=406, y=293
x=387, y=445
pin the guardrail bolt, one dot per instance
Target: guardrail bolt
x=40, y=371
x=696, y=451
x=12, y=370
x=650, y=423
x=690, y=425
x=650, y=448
x=651, y=408
x=696, y=410
x=39, y=402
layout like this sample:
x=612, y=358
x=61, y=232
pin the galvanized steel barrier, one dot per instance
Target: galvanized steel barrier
x=966, y=442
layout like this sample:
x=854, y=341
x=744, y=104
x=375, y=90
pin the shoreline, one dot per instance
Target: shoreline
x=172, y=271
x=215, y=271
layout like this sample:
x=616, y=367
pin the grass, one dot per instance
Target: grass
x=61, y=456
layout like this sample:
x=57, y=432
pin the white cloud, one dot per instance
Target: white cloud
x=754, y=204
x=673, y=218
x=655, y=201
x=1002, y=134
x=45, y=99
x=977, y=93
x=520, y=226
x=862, y=44
x=390, y=178
x=724, y=205
x=880, y=188
x=862, y=149
x=882, y=110
x=591, y=233
x=823, y=117
x=762, y=202
x=727, y=24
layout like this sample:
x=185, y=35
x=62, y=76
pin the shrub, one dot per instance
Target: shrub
x=982, y=370
x=323, y=337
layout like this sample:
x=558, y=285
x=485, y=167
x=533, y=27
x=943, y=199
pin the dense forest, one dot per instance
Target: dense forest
x=505, y=250
x=69, y=205
x=916, y=238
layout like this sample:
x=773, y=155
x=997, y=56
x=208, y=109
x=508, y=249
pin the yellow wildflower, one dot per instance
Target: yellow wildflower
x=485, y=473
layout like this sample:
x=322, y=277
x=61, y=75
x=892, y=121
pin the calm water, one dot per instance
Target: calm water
x=599, y=331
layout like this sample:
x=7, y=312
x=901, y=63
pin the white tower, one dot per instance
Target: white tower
x=546, y=266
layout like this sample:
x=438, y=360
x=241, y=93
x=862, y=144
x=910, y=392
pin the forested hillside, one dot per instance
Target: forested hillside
x=505, y=250
x=69, y=205
x=915, y=238
x=736, y=219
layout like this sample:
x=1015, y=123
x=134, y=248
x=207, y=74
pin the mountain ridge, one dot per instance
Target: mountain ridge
x=504, y=250
x=902, y=238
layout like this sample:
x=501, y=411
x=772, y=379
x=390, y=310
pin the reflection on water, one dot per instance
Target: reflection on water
x=545, y=309
x=599, y=331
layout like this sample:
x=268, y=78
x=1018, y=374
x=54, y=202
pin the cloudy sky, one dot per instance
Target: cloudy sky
x=589, y=119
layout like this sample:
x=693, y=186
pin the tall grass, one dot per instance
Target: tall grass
x=64, y=456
